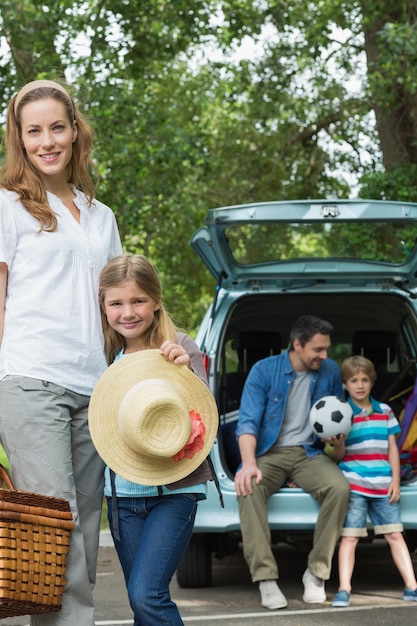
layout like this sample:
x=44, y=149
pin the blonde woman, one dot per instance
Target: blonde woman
x=55, y=238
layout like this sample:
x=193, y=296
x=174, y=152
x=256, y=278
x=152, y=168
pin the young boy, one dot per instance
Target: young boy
x=370, y=461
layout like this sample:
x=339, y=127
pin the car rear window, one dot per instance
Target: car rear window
x=375, y=241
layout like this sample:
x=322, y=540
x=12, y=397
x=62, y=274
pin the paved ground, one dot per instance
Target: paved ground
x=232, y=600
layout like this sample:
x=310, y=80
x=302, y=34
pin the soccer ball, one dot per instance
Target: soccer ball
x=331, y=416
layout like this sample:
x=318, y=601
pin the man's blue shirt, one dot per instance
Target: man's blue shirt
x=265, y=394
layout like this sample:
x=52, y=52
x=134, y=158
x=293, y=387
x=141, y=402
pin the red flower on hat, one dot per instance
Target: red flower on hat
x=195, y=441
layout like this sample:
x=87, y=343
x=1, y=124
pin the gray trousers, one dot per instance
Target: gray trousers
x=321, y=478
x=44, y=431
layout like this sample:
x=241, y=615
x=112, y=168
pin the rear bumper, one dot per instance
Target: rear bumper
x=290, y=509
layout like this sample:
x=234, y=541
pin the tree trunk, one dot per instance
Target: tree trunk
x=395, y=106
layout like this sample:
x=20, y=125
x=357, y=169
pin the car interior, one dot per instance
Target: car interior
x=380, y=326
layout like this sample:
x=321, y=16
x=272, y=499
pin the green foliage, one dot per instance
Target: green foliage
x=267, y=243
x=395, y=69
x=3, y=458
x=181, y=129
x=398, y=184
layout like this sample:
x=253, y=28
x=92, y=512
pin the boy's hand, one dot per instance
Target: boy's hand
x=337, y=442
x=394, y=491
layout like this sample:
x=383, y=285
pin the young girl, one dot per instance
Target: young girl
x=55, y=238
x=153, y=524
x=370, y=462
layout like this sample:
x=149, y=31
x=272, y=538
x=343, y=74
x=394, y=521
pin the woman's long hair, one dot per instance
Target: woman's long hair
x=19, y=175
x=137, y=269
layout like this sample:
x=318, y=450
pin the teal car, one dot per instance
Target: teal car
x=351, y=262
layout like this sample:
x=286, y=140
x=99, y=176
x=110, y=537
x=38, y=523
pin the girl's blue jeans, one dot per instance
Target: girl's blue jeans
x=154, y=534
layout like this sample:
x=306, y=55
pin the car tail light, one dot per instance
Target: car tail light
x=206, y=361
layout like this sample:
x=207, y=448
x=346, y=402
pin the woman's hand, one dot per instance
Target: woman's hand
x=175, y=353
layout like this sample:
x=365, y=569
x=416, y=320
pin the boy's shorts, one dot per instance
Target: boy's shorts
x=385, y=517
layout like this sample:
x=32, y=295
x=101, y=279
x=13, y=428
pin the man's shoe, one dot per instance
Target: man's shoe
x=314, y=592
x=342, y=598
x=271, y=595
x=410, y=595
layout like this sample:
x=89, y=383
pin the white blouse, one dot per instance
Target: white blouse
x=52, y=327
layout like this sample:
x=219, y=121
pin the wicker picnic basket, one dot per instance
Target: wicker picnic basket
x=34, y=542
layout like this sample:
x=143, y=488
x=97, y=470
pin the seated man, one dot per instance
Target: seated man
x=276, y=442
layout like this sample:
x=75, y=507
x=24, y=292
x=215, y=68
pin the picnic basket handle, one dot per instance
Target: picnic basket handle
x=5, y=478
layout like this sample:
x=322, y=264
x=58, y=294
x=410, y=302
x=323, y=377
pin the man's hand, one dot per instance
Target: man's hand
x=243, y=478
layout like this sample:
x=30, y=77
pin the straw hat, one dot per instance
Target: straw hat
x=152, y=422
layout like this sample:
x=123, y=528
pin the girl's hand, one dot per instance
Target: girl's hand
x=175, y=353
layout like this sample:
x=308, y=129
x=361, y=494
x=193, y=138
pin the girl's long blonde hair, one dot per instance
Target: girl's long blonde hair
x=137, y=269
x=19, y=175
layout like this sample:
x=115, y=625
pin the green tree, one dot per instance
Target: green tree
x=330, y=99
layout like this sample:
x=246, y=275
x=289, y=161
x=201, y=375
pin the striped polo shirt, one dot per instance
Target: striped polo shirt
x=366, y=463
